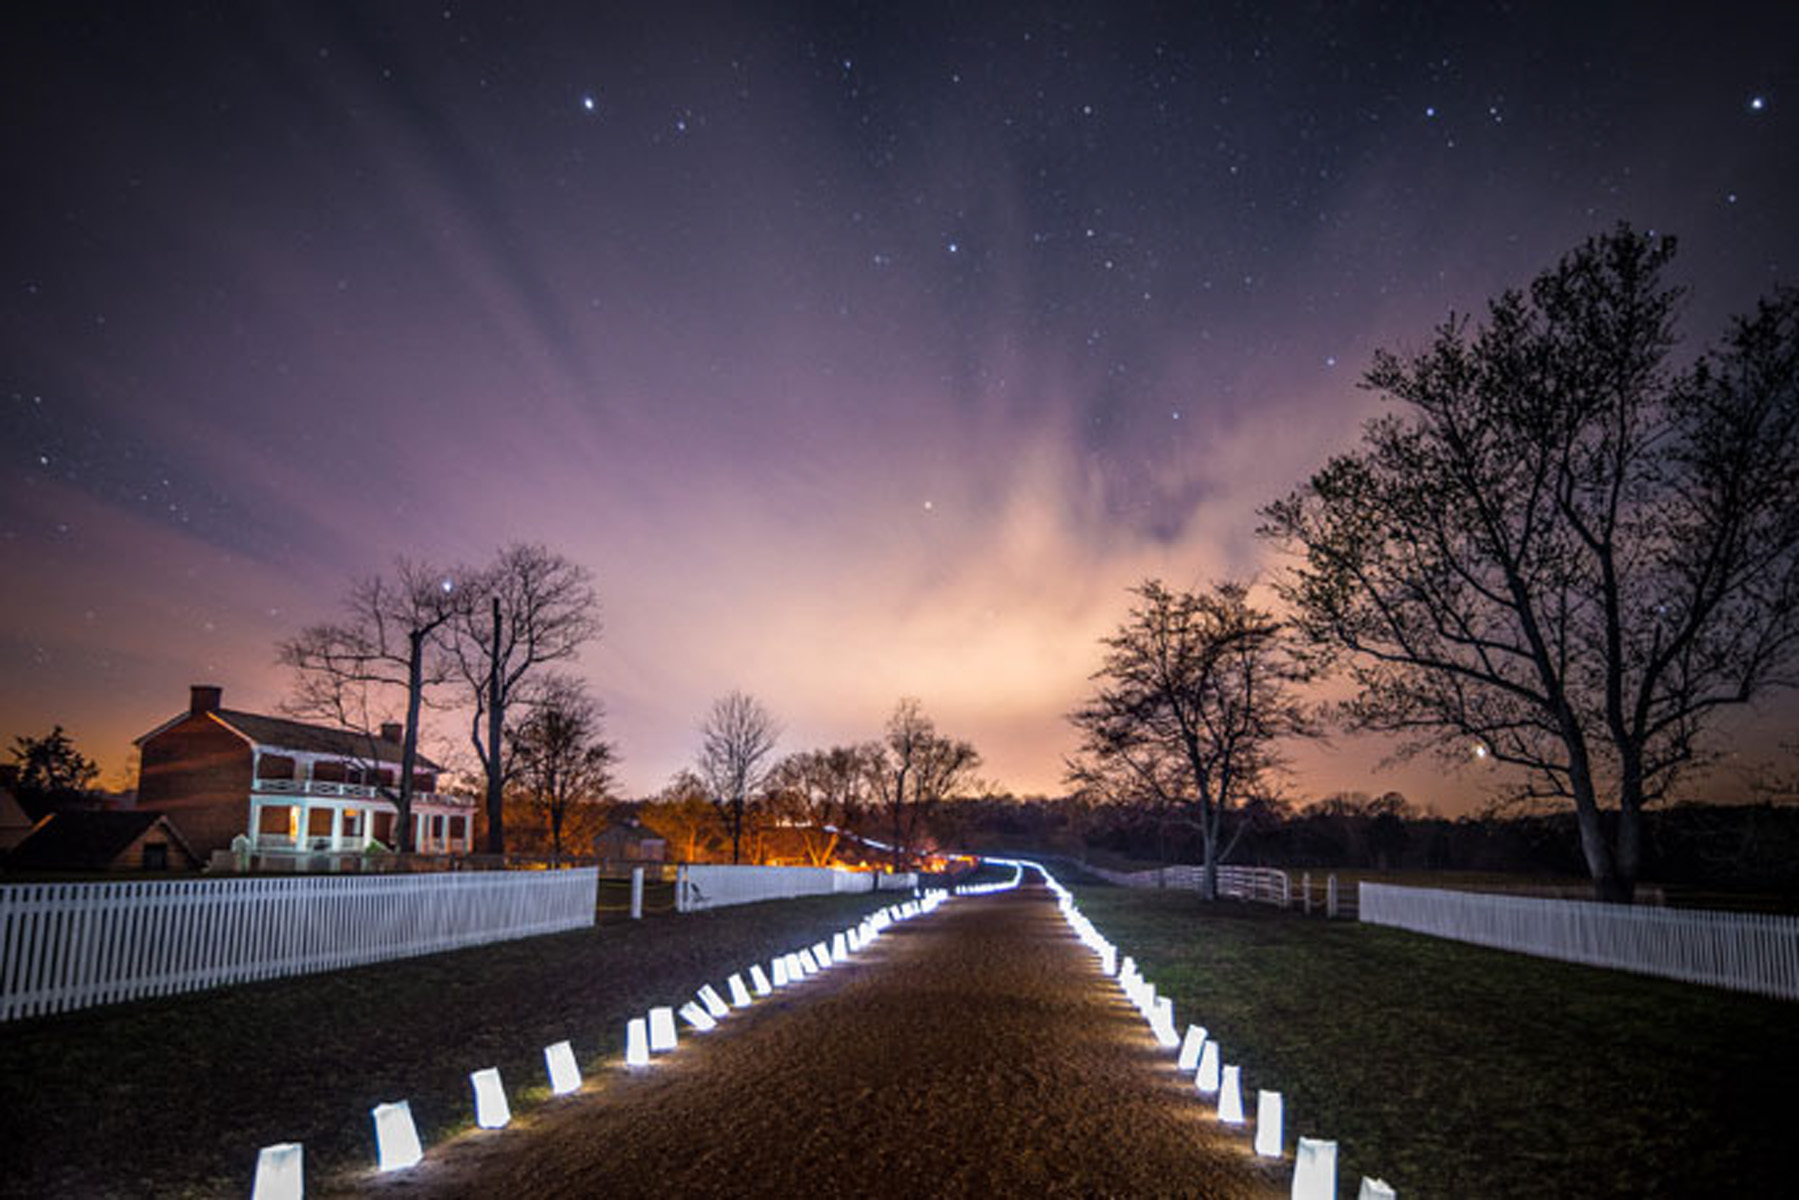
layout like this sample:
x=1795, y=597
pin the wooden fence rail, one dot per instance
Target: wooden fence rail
x=1264, y=884
x=71, y=945
x=716, y=885
x=1748, y=952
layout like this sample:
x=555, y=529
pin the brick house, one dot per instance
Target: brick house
x=288, y=786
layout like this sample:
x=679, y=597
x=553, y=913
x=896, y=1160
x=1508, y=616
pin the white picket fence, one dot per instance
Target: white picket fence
x=71, y=945
x=1748, y=952
x=1263, y=884
x=701, y=886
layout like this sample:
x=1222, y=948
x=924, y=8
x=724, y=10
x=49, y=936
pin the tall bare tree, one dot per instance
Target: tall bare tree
x=1562, y=551
x=529, y=607
x=386, y=651
x=737, y=742
x=917, y=770
x=560, y=757
x=1197, y=692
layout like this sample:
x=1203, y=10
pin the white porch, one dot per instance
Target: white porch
x=313, y=816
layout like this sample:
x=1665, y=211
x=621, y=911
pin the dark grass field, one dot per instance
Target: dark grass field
x=174, y=1097
x=1457, y=1071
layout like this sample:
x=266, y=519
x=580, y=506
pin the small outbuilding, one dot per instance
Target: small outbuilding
x=630, y=842
x=92, y=839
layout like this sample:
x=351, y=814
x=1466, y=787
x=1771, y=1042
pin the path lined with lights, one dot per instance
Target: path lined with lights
x=977, y=1052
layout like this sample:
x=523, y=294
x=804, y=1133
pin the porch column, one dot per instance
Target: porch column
x=337, y=828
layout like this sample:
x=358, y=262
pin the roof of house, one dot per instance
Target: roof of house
x=279, y=733
x=88, y=839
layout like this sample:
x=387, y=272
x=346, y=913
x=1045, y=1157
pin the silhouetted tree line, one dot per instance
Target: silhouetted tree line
x=1727, y=847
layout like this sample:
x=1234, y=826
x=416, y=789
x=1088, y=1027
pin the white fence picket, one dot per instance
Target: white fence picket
x=72, y=945
x=1748, y=952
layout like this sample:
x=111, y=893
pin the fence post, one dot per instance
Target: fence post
x=637, y=893
x=1305, y=891
x=681, y=888
x=1330, y=897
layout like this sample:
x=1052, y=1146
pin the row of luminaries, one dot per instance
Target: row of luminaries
x=1315, y=1159
x=280, y=1169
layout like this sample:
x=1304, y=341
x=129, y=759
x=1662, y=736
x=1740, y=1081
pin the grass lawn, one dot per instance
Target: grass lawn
x=1457, y=1071
x=174, y=1097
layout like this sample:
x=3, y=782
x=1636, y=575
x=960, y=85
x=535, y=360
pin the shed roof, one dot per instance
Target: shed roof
x=88, y=839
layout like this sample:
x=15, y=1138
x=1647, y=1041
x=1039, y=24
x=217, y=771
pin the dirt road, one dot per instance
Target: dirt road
x=973, y=1052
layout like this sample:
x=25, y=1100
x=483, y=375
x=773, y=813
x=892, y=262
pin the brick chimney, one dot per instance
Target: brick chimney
x=391, y=731
x=205, y=698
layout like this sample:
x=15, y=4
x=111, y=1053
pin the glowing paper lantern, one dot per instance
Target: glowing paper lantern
x=1108, y=960
x=796, y=970
x=637, y=1042
x=782, y=978
x=1190, y=1048
x=1163, y=1024
x=840, y=947
x=565, y=1076
x=396, y=1137
x=1376, y=1189
x=1315, y=1170
x=759, y=981
x=740, y=995
x=280, y=1173
x=491, y=1109
x=808, y=964
x=1230, y=1097
x=662, y=1030
x=822, y=953
x=1207, y=1079
x=1268, y=1124
x=715, y=1003
x=697, y=1017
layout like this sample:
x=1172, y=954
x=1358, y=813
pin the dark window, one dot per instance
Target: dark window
x=156, y=856
x=274, y=766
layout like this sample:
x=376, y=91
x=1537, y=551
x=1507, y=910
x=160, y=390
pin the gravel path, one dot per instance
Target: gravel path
x=973, y=1052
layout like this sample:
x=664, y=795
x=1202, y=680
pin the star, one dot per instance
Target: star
x=588, y=103
x=1757, y=103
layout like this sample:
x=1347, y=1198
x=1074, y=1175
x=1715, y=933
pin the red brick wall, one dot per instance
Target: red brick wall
x=198, y=773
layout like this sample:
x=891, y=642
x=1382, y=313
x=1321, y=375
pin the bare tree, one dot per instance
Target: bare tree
x=1563, y=553
x=684, y=816
x=918, y=769
x=1196, y=694
x=736, y=741
x=560, y=758
x=823, y=794
x=528, y=608
x=388, y=649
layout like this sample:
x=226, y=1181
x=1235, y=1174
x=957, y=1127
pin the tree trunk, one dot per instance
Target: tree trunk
x=496, y=719
x=736, y=830
x=1608, y=887
x=1628, y=852
x=409, y=750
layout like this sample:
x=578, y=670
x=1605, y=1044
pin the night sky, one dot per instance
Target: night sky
x=859, y=350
